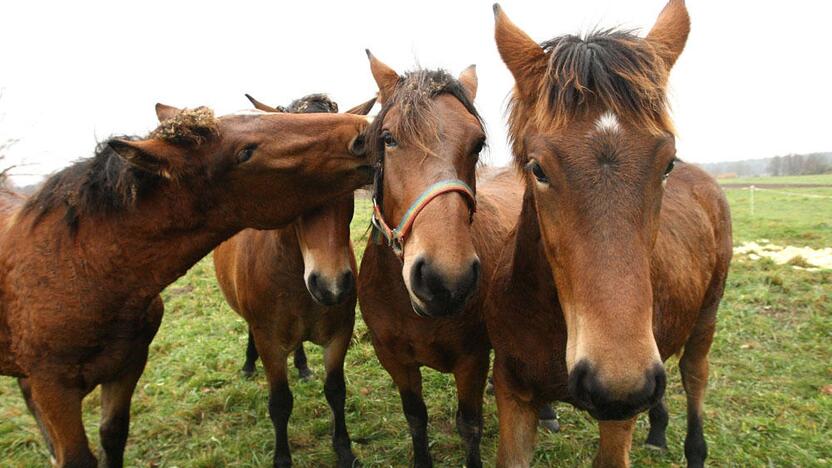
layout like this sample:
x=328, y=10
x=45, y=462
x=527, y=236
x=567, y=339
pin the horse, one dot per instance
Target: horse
x=621, y=253
x=421, y=294
x=83, y=260
x=293, y=284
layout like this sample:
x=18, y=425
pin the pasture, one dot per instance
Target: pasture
x=769, y=400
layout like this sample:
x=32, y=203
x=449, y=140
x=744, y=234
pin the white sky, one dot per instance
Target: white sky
x=752, y=82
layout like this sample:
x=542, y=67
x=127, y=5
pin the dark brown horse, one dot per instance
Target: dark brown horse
x=616, y=263
x=83, y=261
x=421, y=296
x=293, y=284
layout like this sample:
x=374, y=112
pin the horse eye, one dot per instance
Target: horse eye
x=669, y=168
x=388, y=139
x=246, y=153
x=538, y=173
x=480, y=145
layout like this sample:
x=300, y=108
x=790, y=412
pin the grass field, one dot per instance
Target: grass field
x=771, y=359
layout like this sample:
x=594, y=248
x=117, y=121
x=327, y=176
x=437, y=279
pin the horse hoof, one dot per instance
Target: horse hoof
x=349, y=463
x=489, y=388
x=551, y=425
x=657, y=446
x=305, y=374
x=248, y=373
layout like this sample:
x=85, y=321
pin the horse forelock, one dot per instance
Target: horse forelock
x=611, y=70
x=413, y=99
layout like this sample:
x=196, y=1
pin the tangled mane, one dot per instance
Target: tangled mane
x=413, y=98
x=312, y=103
x=107, y=184
x=189, y=127
x=609, y=69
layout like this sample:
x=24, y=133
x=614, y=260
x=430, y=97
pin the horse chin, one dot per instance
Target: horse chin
x=418, y=309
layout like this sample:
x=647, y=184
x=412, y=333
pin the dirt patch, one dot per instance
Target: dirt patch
x=802, y=258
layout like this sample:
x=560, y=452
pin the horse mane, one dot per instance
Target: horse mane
x=413, y=97
x=608, y=69
x=105, y=183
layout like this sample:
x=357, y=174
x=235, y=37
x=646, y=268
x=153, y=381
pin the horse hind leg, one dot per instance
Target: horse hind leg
x=302, y=364
x=26, y=390
x=250, y=366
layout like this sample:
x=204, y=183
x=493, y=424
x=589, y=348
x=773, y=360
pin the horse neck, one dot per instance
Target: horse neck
x=150, y=247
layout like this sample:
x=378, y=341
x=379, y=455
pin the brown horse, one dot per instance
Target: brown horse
x=616, y=263
x=293, y=284
x=422, y=298
x=83, y=261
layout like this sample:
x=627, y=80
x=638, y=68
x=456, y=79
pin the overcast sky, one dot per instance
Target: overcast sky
x=753, y=81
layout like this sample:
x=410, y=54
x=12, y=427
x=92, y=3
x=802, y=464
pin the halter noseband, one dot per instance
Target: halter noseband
x=397, y=236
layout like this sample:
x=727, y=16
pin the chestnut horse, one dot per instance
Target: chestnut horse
x=82, y=262
x=293, y=284
x=616, y=263
x=421, y=296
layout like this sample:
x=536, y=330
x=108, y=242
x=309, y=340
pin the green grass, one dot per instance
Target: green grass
x=771, y=357
x=804, y=179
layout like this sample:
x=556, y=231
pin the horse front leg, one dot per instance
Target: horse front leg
x=335, y=390
x=470, y=376
x=518, y=423
x=614, y=447
x=408, y=380
x=59, y=407
x=274, y=358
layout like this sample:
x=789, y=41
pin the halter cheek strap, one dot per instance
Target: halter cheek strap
x=397, y=236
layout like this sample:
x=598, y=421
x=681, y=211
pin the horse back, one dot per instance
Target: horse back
x=691, y=257
x=10, y=203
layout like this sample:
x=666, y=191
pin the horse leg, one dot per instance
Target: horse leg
x=470, y=376
x=250, y=366
x=274, y=359
x=115, y=412
x=616, y=440
x=60, y=410
x=336, y=395
x=408, y=380
x=658, y=426
x=26, y=389
x=301, y=363
x=694, y=370
x=548, y=418
x=518, y=425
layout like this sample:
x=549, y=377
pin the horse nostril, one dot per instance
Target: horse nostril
x=346, y=284
x=312, y=282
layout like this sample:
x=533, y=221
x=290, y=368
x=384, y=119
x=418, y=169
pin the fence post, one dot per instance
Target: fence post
x=751, y=189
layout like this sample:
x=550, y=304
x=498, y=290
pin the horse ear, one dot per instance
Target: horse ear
x=386, y=78
x=363, y=108
x=165, y=112
x=670, y=33
x=151, y=155
x=524, y=58
x=468, y=80
x=260, y=106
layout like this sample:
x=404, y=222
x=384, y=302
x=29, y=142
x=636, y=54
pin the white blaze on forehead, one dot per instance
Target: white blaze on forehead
x=608, y=122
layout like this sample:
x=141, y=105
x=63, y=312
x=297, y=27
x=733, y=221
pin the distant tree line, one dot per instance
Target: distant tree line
x=791, y=164
x=800, y=164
